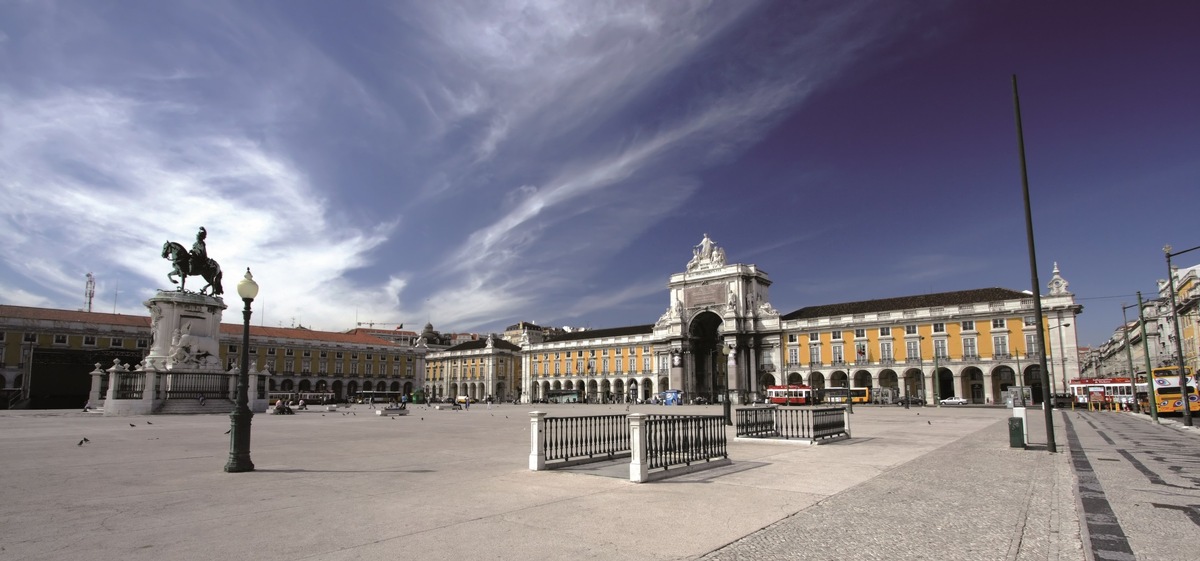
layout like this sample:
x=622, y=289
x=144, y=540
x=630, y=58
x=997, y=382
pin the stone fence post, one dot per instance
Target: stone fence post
x=537, y=441
x=846, y=421
x=638, y=470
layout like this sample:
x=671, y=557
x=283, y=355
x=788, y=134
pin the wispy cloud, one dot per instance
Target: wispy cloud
x=98, y=178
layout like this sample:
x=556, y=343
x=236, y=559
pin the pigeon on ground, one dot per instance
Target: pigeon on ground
x=929, y=422
x=85, y=439
x=132, y=425
x=149, y=423
x=80, y=443
x=228, y=431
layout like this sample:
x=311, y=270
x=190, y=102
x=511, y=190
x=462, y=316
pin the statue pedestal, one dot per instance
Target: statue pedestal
x=184, y=361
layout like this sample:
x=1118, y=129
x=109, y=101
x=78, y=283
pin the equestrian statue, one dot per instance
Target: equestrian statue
x=193, y=263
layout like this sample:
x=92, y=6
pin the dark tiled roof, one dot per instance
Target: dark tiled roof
x=909, y=302
x=482, y=344
x=601, y=333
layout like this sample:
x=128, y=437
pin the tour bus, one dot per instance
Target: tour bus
x=294, y=397
x=1101, y=391
x=1165, y=381
x=790, y=395
x=838, y=395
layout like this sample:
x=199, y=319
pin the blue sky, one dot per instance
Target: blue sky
x=475, y=164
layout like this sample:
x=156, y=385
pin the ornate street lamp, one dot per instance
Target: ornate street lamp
x=239, y=439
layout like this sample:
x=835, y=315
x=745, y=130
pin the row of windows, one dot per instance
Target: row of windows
x=912, y=350
x=323, y=368
x=938, y=327
x=88, y=340
x=592, y=352
x=543, y=368
x=233, y=349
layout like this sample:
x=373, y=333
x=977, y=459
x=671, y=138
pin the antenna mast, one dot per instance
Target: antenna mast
x=89, y=292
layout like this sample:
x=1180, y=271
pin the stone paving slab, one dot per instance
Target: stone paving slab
x=456, y=485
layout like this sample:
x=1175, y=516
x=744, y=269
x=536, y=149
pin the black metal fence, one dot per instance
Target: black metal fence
x=673, y=440
x=791, y=423
x=192, y=386
x=569, y=438
x=130, y=385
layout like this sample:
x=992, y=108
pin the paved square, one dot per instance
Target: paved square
x=432, y=485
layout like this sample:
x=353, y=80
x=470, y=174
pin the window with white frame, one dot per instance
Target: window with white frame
x=939, y=327
x=968, y=325
x=969, y=347
x=30, y=337
x=337, y=368
x=89, y=340
x=645, y=363
x=60, y=339
x=1000, y=344
x=885, y=351
x=604, y=362
x=306, y=366
x=1031, y=343
x=1030, y=321
x=860, y=333
x=912, y=349
x=289, y=352
x=998, y=323
x=143, y=343
x=791, y=337
x=814, y=354
x=353, y=368
x=115, y=342
x=910, y=330
x=860, y=352
x=939, y=348
x=885, y=332
x=793, y=355
x=836, y=335
x=620, y=365
x=814, y=337
x=288, y=366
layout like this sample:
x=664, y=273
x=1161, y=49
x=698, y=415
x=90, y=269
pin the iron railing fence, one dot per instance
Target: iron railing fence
x=791, y=422
x=130, y=385
x=192, y=386
x=673, y=440
x=569, y=438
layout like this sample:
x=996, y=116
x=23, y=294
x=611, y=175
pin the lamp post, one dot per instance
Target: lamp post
x=1183, y=378
x=1146, y=355
x=1051, y=446
x=1129, y=357
x=239, y=439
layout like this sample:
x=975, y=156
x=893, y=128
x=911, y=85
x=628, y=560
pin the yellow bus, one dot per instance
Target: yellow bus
x=1165, y=383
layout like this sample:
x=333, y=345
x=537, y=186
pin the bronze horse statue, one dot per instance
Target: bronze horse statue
x=184, y=267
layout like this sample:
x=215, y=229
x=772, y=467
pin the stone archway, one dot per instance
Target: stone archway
x=706, y=378
x=337, y=389
x=1033, y=378
x=862, y=379
x=972, y=384
x=816, y=380
x=795, y=379
x=945, y=383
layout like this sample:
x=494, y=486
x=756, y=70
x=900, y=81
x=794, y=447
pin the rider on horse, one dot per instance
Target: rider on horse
x=199, y=251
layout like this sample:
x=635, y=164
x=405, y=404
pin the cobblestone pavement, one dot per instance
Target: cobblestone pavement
x=1139, y=485
x=975, y=498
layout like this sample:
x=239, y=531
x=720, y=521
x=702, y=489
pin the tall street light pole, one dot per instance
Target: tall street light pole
x=1146, y=354
x=239, y=440
x=1183, y=377
x=1129, y=357
x=1051, y=446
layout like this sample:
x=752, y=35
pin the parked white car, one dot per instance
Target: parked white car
x=953, y=401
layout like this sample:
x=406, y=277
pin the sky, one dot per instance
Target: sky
x=476, y=164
